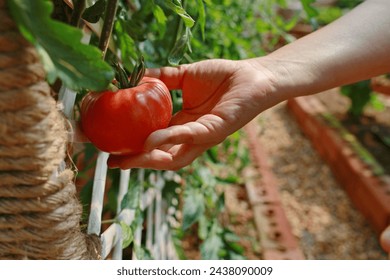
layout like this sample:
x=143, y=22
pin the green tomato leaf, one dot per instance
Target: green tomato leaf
x=376, y=103
x=127, y=235
x=180, y=48
x=138, y=219
x=161, y=19
x=177, y=7
x=309, y=10
x=64, y=56
x=132, y=198
x=142, y=253
x=360, y=94
x=231, y=179
x=206, y=177
x=213, y=246
x=220, y=205
x=201, y=17
x=212, y=154
x=126, y=44
x=234, y=256
x=203, y=227
x=94, y=13
x=193, y=207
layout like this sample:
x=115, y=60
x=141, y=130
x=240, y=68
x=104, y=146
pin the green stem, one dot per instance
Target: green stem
x=138, y=73
x=108, y=25
x=109, y=221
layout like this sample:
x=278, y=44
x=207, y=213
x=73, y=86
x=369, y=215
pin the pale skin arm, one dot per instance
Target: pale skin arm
x=221, y=96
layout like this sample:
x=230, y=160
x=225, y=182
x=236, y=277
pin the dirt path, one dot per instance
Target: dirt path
x=321, y=215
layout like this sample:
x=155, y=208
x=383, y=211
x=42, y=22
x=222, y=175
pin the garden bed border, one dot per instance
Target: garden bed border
x=274, y=230
x=369, y=193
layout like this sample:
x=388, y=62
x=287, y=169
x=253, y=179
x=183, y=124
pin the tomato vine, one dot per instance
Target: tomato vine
x=126, y=37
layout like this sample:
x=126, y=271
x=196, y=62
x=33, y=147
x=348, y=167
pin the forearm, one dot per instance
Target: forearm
x=353, y=48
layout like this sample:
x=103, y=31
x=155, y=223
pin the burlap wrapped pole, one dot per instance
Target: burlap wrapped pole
x=39, y=210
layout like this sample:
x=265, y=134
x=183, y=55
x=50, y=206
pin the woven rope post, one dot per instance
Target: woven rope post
x=39, y=210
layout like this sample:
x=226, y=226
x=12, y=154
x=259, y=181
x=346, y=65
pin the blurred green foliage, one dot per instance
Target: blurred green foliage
x=178, y=31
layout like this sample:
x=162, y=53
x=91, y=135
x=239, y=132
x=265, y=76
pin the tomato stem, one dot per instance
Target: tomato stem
x=112, y=87
x=135, y=78
x=121, y=76
x=138, y=73
x=108, y=25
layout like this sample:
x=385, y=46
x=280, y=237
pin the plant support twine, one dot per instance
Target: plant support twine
x=39, y=211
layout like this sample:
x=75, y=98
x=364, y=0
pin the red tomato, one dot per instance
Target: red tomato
x=119, y=122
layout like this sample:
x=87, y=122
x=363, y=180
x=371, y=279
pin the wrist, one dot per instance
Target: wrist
x=274, y=79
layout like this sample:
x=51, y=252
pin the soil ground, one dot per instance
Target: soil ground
x=325, y=222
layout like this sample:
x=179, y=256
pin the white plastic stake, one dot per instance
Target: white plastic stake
x=123, y=188
x=99, y=182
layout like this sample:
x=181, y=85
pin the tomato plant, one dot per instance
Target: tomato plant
x=118, y=122
x=163, y=32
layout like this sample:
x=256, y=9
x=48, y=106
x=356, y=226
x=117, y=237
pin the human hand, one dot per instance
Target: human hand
x=385, y=240
x=219, y=97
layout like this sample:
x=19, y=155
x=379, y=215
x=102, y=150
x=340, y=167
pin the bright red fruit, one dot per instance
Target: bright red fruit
x=119, y=122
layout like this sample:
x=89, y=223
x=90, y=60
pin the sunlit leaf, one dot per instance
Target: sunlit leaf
x=220, y=202
x=201, y=17
x=160, y=18
x=126, y=45
x=177, y=7
x=212, y=153
x=76, y=64
x=180, y=48
x=193, y=206
x=213, y=245
x=307, y=7
x=203, y=227
x=360, y=94
x=142, y=253
x=127, y=235
x=231, y=179
x=132, y=197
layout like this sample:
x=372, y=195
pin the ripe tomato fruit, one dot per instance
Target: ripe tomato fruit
x=119, y=122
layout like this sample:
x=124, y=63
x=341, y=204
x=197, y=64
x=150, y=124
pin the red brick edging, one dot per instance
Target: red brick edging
x=370, y=194
x=275, y=234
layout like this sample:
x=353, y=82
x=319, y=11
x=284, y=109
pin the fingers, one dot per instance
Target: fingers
x=153, y=160
x=178, y=134
x=189, y=133
x=172, y=77
x=177, y=157
x=174, y=147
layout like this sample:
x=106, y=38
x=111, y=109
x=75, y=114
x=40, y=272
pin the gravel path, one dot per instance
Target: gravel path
x=321, y=215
